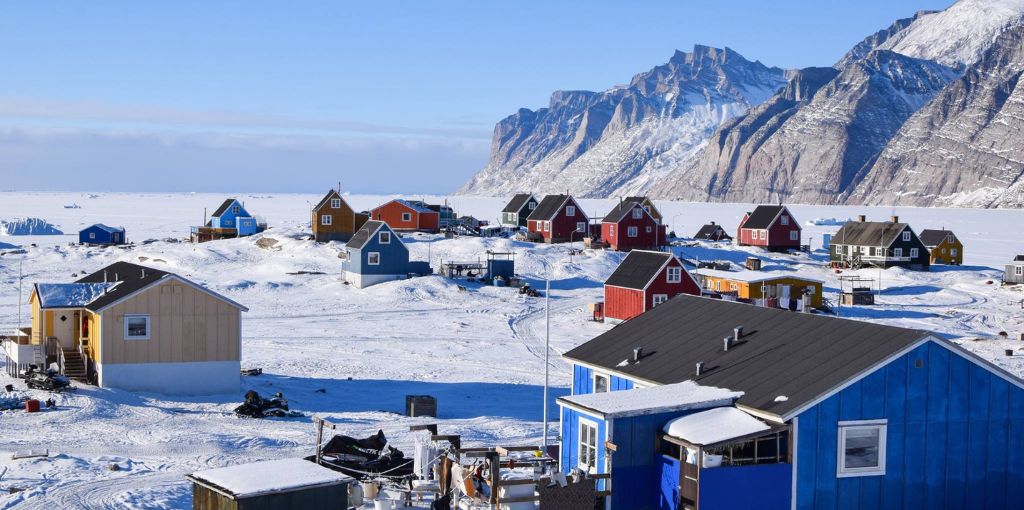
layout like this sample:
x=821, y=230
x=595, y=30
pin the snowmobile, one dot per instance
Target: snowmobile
x=370, y=456
x=48, y=380
x=256, y=406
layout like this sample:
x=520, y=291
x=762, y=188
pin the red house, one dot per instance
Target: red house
x=630, y=226
x=408, y=216
x=558, y=219
x=771, y=227
x=643, y=280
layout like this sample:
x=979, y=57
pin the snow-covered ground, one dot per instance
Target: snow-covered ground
x=352, y=355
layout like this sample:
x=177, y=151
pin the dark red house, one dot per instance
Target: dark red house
x=630, y=226
x=771, y=227
x=558, y=219
x=408, y=216
x=643, y=280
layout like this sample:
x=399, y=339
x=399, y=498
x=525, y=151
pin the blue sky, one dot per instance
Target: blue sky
x=386, y=97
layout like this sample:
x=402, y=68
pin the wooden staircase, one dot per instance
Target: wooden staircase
x=74, y=364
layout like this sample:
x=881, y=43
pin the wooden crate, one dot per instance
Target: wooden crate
x=420, y=405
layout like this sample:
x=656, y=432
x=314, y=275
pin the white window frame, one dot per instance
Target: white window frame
x=570, y=210
x=914, y=253
x=581, y=226
x=547, y=226
x=784, y=219
x=906, y=236
x=585, y=447
x=794, y=235
x=407, y=216
x=677, y=272
x=897, y=252
x=659, y=299
x=369, y=258
x=92, y=235
x=384, y=237
x=235, y=209
x=638, y=213
x=764, y=235
x=326, y=219
x=649, y=229
x=1018, y=270
x=533, y=205
x=611, y=230
x=952, y=252
x=607, y=382
x=632, y=232
x=844, y=426
x=149, y=326
x=335, y=203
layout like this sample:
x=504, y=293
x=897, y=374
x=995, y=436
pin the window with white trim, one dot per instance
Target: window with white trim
x=384, y=238
x=373, y=258
x=326, y=219
x=136, y=327
x=581, y=226
x=547, y=226
x=631, y=232
x=1019, y=270
x=785, y=219
x=406, y=216
x=235, y=209
x=611, y=230
x=602, y=383
x=897, y=252
x=675, y=275
x=952, y=252
x=649, y=229
x=764, y=234
x=659, y=299
x=638, y=213
x=92, y=235
x=335, y=203
x=570, y=210
x=906, y=236
x=533, y=205
x=588, y=445
x=794, y=235
x=861, y=448
x=913, y=253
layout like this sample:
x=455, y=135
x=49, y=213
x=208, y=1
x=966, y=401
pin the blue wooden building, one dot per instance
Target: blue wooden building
x=230, y=220
x=375, y=254
x=102, y=234
x=812, y=412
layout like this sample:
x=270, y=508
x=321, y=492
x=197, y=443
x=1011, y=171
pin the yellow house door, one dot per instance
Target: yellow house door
x=64, y=328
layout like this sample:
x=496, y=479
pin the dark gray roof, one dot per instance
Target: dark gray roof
x=223, y=207
x=517, y=203
x=932, y=237
x=131, y=277
x=548, y=207
x=781, y=353
x=330, y=194
x=620, y=210
x=364, y=233
x=1019, y=258
x=868, y=233
x=708, y=232
x=637, y=269
x=762, y=216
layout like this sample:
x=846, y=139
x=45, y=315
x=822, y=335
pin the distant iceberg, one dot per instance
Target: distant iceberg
x=29, y=227
x=826, y=221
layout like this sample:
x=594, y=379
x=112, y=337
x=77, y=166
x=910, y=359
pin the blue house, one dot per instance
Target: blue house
x=375, y=254
x=775, y=410
x=230, y=220
x=102, y=234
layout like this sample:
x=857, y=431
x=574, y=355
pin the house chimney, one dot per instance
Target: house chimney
x=638, y=352
x=737, y=333
x=895, y=219
x=725, y=343
x=116, y=279
x=712, y=223
x=861, y=218
x=700, y=368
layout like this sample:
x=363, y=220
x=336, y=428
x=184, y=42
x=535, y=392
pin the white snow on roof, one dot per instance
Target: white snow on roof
x=655, y=399
x=714, y=426
x=70, y=295
x=752, y=276
x=265, y=477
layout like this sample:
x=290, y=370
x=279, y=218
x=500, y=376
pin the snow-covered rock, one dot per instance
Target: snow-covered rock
x=28, y=227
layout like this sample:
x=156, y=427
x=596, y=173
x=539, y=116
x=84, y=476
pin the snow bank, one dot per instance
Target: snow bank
x=246, y=480
x=70, y=295
x=29, y=227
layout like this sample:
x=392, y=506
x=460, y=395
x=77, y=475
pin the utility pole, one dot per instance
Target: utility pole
x=547, y=351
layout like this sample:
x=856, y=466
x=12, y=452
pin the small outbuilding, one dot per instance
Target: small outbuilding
x=376, y=254
x=944, y=247
x=712, y=232
x=284, y=483
x=100, y=234
x=643, y=280
x=1014, y=272
x=767, y=288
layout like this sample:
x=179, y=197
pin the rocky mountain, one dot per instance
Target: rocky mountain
x=601, y=143
x=966, y=147
x=877, y=39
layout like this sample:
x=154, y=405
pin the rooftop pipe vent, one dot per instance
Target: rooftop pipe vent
x=638, y=352
x=700, y=368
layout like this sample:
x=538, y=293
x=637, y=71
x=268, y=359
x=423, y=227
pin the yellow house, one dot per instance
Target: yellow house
x=778, y=288
x=943, y=246
x=137, y=328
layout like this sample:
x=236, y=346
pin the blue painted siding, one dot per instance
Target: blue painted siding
x=955, y=438
x=394, y=256
x=670, y=476
x=100, y=236
x=637, y=465
x=583, y=381
x=571, y=439
x=763, y=486
x=242, y=221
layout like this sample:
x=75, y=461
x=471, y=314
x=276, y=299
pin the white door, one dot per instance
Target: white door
x=64, y=327
x=784, y=293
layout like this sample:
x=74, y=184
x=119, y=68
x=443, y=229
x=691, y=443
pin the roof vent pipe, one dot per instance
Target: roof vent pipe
x=104, y=276
x=861, y=218
x=725, y=343
x=737, y=333
x=700, y=368
x=638, y=352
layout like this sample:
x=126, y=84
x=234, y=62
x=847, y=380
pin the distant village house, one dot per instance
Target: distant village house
x=518, y=209
x=558, y=219
x=771, y=227
x=103, y=235
x=229, y=221
x=878, y=244
x=943, y=247
x=334, y=220
x=642, y=281
x=376, y=254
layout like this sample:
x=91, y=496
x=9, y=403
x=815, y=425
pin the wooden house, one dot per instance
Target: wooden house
x=709, y=404
x=137, y=328
x=648, y=206
x=879, y=244
x=771, y=227
x=100, y=234
x=944, y=247
x=765, y=288
x=407, y=216
x=558, y=219
x=518, y=209
x=283, y=483
x=712, y=232
x=230, y=220
x=334, y=220
x=629, y=226
x=1014, y=272
x=643, y=280
x=376, y=254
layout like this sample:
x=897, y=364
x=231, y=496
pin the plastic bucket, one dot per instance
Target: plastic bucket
x=369, y=490
x=382, y=504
